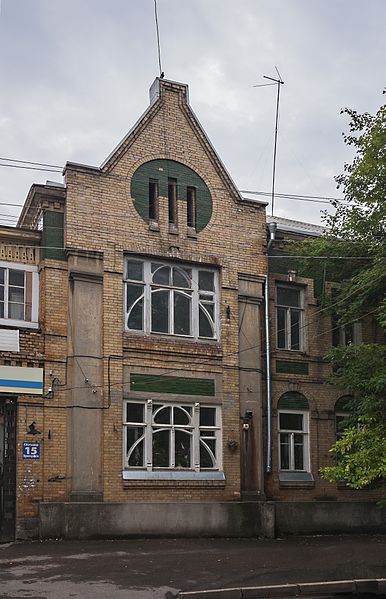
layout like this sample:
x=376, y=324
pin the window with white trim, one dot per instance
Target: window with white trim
x=343, y=416
x=169, y=436
x=289, y=317
x=348, y=334
x=293, y=432
x=293, y=440
x=171, y=299
x=19, y=295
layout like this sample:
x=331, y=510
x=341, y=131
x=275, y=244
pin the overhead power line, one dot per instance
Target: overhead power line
x=31, y=168
x=30, y=162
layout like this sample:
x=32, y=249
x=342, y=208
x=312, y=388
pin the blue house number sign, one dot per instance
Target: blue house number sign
x=31, y=451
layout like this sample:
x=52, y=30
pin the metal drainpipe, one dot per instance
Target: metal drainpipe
x=272, y=231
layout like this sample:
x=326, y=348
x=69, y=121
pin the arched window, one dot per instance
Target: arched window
x=293, y=432
x=172, y=299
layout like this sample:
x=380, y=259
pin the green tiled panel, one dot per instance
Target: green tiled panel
x=161, y=170
x=171, y=384
x=53, y=235
x=290, y=367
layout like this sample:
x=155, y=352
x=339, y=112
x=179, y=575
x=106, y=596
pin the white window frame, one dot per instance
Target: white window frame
x=288, y=325
x=197, y=430
x=30, y=324
x=306, y=441
x=197, y=298
x=356, y=333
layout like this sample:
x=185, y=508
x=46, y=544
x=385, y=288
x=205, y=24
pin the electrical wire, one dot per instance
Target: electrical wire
x=297, y=197
x=30, y=162
x=222, y=366
x=167, y=373
x=31, y=168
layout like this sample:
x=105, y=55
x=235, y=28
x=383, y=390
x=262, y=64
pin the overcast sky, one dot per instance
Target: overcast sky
x=75, y=76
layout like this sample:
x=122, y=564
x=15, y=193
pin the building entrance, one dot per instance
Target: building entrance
x=7, y=469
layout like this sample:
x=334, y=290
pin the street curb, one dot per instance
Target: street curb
x=375, y=586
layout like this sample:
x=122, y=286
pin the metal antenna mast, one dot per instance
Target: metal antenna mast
x=277, y=82
x=158, y=40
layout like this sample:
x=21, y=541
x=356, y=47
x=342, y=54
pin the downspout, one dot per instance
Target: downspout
x=272, y=231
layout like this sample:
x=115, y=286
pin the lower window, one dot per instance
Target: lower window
x=169, y=436
x=293, y=441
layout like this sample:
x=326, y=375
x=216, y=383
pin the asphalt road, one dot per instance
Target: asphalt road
x=159, y=568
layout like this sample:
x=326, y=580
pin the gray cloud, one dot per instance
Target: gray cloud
x=75, y=77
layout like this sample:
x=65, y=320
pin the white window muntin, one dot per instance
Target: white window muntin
x=5, y=320
x=304, y=432
x=289, y=326
x=200, y=299
x=200, y=435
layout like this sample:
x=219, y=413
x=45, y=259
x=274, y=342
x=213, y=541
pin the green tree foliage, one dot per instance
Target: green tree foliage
x=357, y=229
x=356, y=234
x=361, y=452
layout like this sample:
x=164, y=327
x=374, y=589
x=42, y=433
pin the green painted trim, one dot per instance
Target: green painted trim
x=292, y=400
x=290, y=367
x=161, y=170
x=53, y=235
x=151, y=383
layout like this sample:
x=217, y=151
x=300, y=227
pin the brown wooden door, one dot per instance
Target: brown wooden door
x=7, y=469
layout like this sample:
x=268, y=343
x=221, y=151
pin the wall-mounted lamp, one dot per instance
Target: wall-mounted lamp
x=228, y=311
x=32, y=430
x=291, y=275
x=247, y=419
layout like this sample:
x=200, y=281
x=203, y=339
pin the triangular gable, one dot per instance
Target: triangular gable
x=156, y=102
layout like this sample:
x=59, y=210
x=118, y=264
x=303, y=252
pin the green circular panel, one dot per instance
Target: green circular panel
x=161, y=170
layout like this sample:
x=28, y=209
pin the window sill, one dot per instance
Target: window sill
x=144, y=475
x=173, y=229
x=153, y=226
x=176, y=343
x=192, y=233
x=18, y=324
x=296, y=480
x=291, y=352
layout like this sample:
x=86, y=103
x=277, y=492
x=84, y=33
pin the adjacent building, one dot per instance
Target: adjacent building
x=308, y=414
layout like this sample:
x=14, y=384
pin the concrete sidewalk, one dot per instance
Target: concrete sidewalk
x=160, y=568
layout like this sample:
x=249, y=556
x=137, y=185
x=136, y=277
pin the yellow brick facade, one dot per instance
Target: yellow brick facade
x=88, y=356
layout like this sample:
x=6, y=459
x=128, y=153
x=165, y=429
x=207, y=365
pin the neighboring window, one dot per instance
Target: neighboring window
x=343, y=418
x=191, y=207
x=289, y=318
x=293, y=431
x=18, y=295
x=171, y=300
x=172, y=200
x=349, y=334
x=168, y=436
x=153, y=199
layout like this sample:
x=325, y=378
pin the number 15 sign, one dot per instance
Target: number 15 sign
x=31, y=451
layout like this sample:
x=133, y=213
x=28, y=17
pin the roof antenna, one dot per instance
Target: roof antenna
x=277, y=82
x=161, y=73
